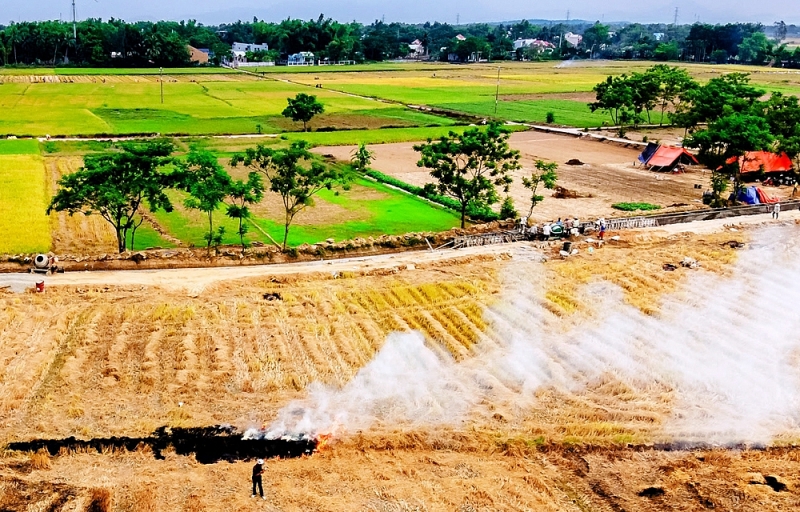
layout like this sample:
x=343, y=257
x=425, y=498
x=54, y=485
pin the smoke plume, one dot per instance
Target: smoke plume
x=728, y=348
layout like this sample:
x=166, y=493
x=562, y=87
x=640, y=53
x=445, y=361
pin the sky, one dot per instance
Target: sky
x=411, y=11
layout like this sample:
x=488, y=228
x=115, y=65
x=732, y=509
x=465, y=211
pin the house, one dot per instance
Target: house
x=416, y=49
x=573, y=40
x=658, y=36
x=459, y=37
x=249, y=47
x=198, y=55
x=533, y=43
x=301, y=59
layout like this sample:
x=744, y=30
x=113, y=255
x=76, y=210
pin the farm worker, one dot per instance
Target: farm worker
x=776, y=210
x=523, y=224
x=546, y=231
x=258, y=470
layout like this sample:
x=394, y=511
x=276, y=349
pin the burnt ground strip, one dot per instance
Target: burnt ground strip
x=208, y=444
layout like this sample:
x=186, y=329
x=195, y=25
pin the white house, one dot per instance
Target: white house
x=301, y=59
x=573, y=40
x=533, y=43
x=249, y=47
x=416, y=49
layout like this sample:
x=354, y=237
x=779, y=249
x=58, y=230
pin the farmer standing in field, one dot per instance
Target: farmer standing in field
x=258, y=470
x=776, y=210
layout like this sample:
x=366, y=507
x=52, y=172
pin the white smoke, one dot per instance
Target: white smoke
x=727, y=347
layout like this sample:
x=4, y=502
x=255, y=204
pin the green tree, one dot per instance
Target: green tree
x=674, y=83
x=362, y=158
x=507, y=209
x=241, y=195
x=303, y=107
x=294, y=174
x=544, y=175
x=726, y=140
x=595, y=36
x=667, y=51
x=469, y=166
x=782, y=114
x=115, y=184
x=614, y=96
x=707, y=103
x=208, y=185
x=755, y=49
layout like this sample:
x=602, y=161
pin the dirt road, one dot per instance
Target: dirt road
x=195, y=280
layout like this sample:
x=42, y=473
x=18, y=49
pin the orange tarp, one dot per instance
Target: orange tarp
x=754, y=160
x=667, y=156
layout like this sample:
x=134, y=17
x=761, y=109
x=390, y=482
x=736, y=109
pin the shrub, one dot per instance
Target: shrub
x=550, y=117
x=632, y=207
x=507, y=210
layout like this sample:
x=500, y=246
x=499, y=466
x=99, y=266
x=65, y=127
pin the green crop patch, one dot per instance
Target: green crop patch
x=138, y=114
x=19, y=147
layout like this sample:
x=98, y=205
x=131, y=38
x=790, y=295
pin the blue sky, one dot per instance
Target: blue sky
x=216, y=11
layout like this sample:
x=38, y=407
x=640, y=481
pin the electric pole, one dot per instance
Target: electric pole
x=497, y=92
x=675, y=20
x=161, y=72
x=74, y=22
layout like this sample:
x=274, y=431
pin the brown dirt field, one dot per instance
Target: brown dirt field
x=117, y=360
x=609, y=174
x=76, y=234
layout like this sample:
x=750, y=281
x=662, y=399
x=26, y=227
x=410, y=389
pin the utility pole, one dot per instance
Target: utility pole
x=497, y=92
x=458, y=19
x=74, y=22
x=161, y=72
x=675, y=20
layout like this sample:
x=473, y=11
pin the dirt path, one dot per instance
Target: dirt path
x=195, y=280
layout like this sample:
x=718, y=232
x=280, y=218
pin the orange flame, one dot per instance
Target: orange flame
x=323, y=441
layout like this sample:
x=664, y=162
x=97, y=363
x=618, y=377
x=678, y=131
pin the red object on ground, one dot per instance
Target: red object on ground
x=764, y=198
x=39, y=286
x=668, y=156
x=753, y=161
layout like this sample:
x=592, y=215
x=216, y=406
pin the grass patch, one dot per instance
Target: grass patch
x=635, y=207
x=376, y=211
x=147, y=237
x=24, y=226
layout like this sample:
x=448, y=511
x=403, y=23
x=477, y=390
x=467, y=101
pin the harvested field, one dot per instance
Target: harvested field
x=123, y=360
x=608, y=174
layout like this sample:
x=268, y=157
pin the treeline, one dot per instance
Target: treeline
x=120, y=44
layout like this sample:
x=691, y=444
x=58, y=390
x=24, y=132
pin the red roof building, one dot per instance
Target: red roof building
x=755, y=161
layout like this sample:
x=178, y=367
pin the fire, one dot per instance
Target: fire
x=323, y=440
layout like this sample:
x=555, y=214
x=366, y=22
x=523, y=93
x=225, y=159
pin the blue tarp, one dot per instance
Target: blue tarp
x=648, y=152
x=749, y=195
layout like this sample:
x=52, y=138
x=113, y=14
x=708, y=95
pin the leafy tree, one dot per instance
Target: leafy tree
x=208, y=185
x=468, y=167
x=544, y=175
x=667, y=51
x=706, y=104
x=645, y=89
x=755, y=49
x=729, y=138
x=115, y=184
x=294, y=174
x=595, y=36
x=362, y=158
x=782, y=114
x=614, y=96
x=674, y=83
x=303, y=107
x=241, y=194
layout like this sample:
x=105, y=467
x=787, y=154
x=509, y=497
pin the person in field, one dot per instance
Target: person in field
x=776, y=210
x=602, y=229
x=258, y=470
